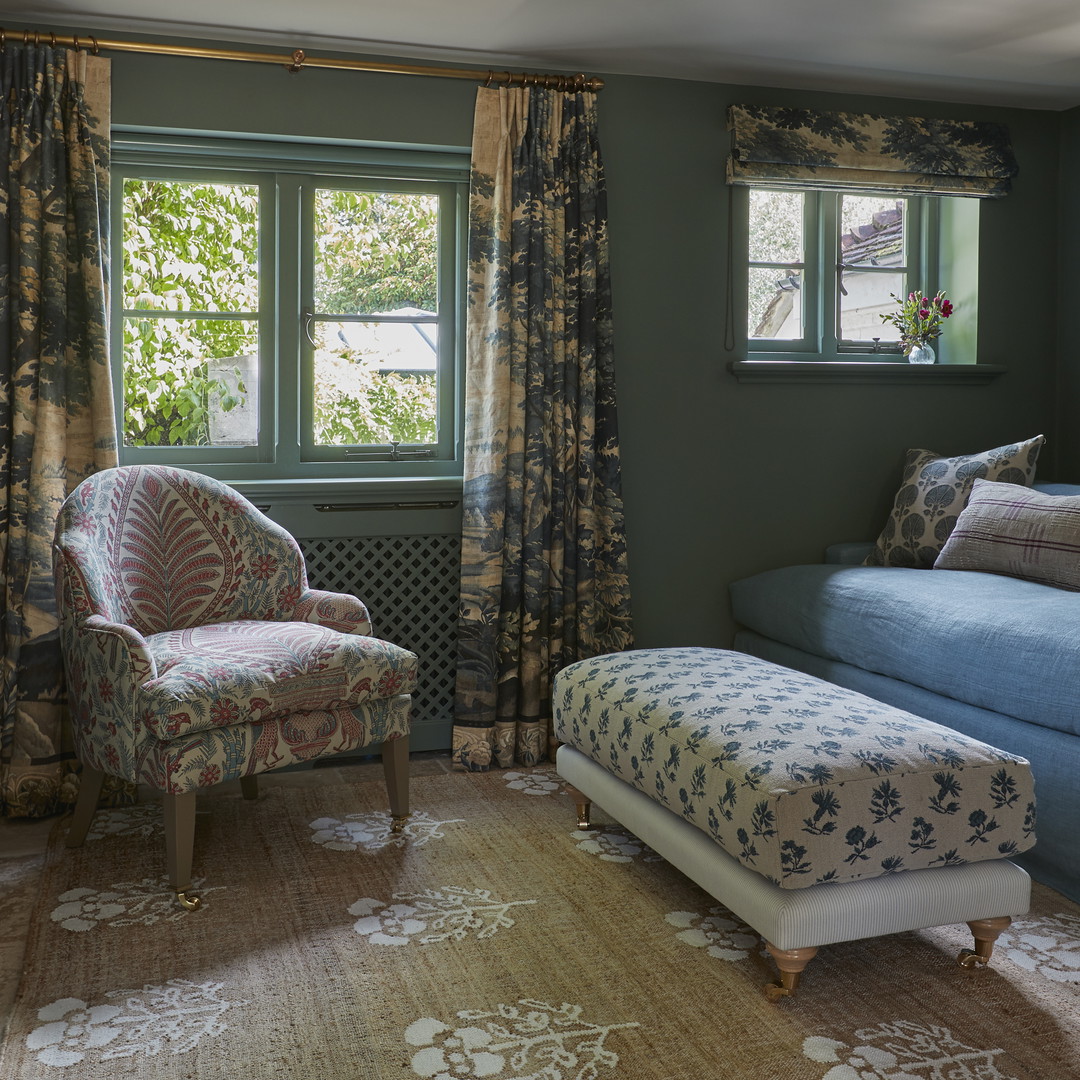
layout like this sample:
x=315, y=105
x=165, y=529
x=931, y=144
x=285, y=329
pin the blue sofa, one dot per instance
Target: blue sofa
x=994, y=657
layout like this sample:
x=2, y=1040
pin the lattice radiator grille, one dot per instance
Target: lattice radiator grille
x=411, y=586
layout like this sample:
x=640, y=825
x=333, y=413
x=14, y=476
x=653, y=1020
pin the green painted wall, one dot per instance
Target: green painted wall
x=721, y=479
x=1068, y=350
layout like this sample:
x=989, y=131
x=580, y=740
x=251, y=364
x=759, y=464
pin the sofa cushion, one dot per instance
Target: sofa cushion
x=932, y=493
x=1005, y=529
x=251, y=671
x=999, y=643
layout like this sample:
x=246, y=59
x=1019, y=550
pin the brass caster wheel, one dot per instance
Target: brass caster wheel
x=970, y=959
x=775, y=991
x=583, y=816
x=398, y=823
x=188, y=901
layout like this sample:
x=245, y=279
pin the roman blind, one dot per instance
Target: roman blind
x=779, y=146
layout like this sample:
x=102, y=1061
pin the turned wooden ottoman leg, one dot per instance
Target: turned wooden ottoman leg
x=582, y=804
x=791, y=963
x=986, y=932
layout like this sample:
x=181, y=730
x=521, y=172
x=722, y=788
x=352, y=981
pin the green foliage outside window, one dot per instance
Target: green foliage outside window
x=190, y=248
x=190, y=262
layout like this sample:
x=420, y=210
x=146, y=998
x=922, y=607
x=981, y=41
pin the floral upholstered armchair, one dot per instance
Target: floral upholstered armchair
x=195, y=652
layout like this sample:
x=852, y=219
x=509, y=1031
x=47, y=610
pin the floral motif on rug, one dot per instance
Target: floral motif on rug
x=719, y=932
x=371, y=832
x=523, y=1040
x=173, y=1018
x=452, y=913
x=533, y=782
x=903, y=1051
x=1049, y=945
x=143, y=819
x=613, y=843
x=126, y=903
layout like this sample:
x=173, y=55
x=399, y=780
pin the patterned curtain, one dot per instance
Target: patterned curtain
x=778, y=146
x=56, y=409
x=544, y=567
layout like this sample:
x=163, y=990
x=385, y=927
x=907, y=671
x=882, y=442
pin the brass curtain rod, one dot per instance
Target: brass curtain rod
x=299, y=60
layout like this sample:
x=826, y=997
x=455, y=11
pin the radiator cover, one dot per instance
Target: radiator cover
x=411, y=584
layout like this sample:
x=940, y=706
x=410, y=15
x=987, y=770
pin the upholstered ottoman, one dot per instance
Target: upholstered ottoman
x=815, y=814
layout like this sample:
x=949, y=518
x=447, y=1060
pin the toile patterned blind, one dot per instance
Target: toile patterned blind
x=785, y=147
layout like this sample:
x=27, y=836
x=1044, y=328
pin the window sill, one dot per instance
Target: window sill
x=875, y=372
x=353, y=492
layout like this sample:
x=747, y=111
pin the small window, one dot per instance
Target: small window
x=825, y=266
x=277, y=320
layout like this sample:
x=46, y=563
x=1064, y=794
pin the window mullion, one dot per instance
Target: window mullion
x=816, y=289
x=292, y=288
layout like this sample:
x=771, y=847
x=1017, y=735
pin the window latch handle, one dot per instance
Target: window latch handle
x=307, y=317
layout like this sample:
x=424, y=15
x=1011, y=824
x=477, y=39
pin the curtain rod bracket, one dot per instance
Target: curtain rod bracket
x=298, y=58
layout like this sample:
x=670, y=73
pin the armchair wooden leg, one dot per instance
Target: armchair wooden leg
x=90, y=783
x=395, y=759
x=179, y=842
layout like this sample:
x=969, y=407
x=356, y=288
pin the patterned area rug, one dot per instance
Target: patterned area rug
x=491, y=939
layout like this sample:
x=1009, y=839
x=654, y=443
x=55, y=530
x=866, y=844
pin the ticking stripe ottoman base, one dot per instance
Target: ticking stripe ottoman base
x=795, y=922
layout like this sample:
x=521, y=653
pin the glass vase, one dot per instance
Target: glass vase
x=922, y=354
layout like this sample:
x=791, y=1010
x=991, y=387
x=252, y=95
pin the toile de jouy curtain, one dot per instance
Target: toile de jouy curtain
x=784, y=146
x=56, y=411
x=544, y=562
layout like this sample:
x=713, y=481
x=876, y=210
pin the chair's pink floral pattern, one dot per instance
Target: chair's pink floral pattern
x=195, y=651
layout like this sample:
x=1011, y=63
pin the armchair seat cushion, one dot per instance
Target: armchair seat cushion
x=254, y=670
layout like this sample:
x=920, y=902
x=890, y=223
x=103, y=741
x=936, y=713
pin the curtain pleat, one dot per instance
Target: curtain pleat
x=544, y=561
x=56, y=407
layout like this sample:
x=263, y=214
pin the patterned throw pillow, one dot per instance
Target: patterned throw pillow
x=1010, y=530
x=934, y=491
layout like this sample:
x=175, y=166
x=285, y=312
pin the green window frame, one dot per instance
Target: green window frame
x=819, y=272
x=287, y=175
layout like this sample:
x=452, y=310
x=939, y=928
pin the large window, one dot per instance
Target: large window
x=825, y=265
x=287, y=311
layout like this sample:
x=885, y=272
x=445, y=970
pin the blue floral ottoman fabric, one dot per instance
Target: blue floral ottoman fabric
x=800, y=780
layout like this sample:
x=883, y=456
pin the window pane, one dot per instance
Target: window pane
x=864, y=298
x=775, y=303
x=190, y=382
x=872, y=230
x=776, y=226
x=375, y=383
x=190, y=246
x=375, y=252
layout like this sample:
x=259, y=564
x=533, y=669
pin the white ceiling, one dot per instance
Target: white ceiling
x=1001, y=52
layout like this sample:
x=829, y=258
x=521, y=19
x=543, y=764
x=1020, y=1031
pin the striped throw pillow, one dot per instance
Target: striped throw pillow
x=1019, y=532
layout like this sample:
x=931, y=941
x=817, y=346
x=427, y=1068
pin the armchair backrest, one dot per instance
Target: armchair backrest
x=159, y=549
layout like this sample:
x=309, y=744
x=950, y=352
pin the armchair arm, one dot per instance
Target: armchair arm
x=339, y=611
x=106, y=663
x=125, y=650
